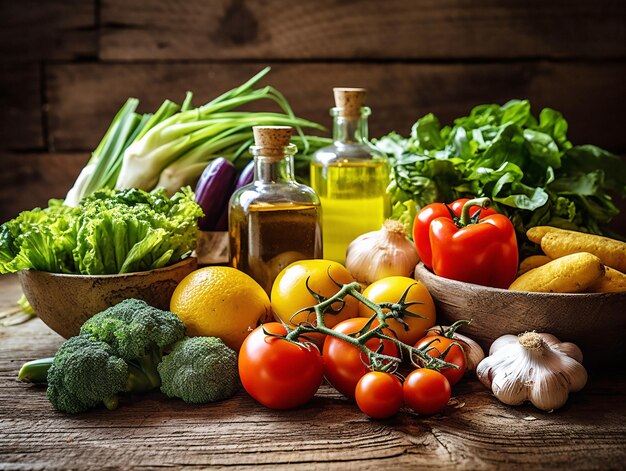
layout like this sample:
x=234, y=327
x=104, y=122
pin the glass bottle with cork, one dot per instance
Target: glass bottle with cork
x=273, y=221
x=350, y=176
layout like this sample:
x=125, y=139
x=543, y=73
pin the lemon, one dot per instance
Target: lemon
x=220, y=302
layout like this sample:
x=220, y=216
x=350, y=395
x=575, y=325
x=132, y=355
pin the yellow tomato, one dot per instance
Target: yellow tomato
x=290, y=294
x=390, y=290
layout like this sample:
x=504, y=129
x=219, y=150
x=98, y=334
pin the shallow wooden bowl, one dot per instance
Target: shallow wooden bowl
x=65, y=302
x=596, y=322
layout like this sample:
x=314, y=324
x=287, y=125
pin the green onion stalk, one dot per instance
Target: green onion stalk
x=171, y=147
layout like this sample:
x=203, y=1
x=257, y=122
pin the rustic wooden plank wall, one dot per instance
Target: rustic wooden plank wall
x=66, y=66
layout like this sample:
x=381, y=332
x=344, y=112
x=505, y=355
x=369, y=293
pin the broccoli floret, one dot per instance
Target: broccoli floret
x=199, y=370
x=137, y=333
x=85, y=373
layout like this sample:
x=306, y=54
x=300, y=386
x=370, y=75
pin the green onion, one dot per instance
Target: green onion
x=171, y=147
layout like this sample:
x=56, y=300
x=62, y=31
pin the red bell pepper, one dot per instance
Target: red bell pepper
x=421, y=225
x=469, y=246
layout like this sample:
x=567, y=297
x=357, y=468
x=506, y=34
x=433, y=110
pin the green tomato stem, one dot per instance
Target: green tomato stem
x=378, y=361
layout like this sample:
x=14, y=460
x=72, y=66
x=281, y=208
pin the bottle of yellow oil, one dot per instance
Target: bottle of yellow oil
x=350, y=177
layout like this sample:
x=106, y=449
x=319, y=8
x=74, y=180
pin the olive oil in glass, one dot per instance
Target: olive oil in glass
x=350, y=177
x=274, y=221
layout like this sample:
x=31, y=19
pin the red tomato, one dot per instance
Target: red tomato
x=344, y=364
x=455, y=356
x=379, y=395
x=426, y=391
x=277, y=373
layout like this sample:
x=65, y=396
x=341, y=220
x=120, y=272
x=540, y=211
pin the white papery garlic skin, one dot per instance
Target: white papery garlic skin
x=473, y=352
x=533, y=367
x=379, y=254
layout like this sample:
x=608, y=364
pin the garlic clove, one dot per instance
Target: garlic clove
x=575, y=372
x=570, y=349
x=474, y=353
x=502, y=342
x=548, y=391
x=508, y=390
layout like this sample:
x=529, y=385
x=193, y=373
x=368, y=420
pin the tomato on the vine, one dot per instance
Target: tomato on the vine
x=391, y=290
x=345, y=364
x=379, y=395
x=456, y=355
x=426, y=391
x=277, y=373
x=290, y=294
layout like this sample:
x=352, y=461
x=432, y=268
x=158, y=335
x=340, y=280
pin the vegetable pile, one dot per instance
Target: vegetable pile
x=109, y=232
x=280, y=365
x=121, y=350
x=527, y=166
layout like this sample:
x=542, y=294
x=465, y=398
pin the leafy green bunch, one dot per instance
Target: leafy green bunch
x=109, y=232
x=526, y=165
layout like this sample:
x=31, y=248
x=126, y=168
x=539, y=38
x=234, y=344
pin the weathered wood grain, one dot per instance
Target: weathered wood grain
x=474, y=432
x=21, y=121
x=32, y=30
x=371, y=29
x=83, y=98
x=29, y=180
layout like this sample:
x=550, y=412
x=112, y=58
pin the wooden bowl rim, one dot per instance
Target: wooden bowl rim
x=180, y=264
x=421, y=269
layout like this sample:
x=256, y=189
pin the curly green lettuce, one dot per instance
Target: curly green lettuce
x=109, y=232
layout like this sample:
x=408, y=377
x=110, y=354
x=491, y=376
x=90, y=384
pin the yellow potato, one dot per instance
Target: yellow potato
x=613, y=281
x=611, y=252
x=573, y=273
x=531, y=262
x=535, y=234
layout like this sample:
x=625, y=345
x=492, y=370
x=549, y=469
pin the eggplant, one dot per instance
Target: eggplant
x=213, y=191
x=246, y=177
x=222, y=221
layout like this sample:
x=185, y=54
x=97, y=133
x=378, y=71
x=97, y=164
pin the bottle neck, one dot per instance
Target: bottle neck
x=350, y=130
x=273, y=170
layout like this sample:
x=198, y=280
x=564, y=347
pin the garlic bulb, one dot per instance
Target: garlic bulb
x=473, y=352
x=379, y=254
x=533, y=367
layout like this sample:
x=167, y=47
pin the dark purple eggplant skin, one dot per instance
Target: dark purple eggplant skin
x=246, y=176
x=213, y=191
x=222, y=221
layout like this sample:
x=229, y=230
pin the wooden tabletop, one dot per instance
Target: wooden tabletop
x=474, y=432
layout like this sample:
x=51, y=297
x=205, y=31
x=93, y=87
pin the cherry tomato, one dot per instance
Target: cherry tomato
x=390, y=290
x=277, y=373
x=426, y=391
x=345, y=364
x=290, y=294
x=455, y=355
x=379, y=395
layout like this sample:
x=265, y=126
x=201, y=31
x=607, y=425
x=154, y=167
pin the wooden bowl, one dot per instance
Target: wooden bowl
x=65, y=302
x=596, y=322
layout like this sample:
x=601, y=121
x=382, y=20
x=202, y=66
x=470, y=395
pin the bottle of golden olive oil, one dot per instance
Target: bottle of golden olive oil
x=350, y=177
x=274, y=221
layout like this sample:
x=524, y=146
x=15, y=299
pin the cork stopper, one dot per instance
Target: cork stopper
x=272, y=139
x=350, y=100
